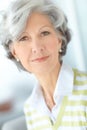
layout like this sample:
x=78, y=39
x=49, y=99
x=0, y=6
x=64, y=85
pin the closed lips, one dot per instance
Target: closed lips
x=40, y=59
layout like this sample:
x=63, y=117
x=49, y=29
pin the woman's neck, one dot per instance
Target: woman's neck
x=48, y=84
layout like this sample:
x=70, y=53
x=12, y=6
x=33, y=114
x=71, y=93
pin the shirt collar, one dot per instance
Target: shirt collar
x=64, y=85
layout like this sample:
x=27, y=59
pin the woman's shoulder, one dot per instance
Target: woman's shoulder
x=80, y=78
x=78, y=74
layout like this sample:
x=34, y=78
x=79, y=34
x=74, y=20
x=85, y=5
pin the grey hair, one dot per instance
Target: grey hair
x=18, y=14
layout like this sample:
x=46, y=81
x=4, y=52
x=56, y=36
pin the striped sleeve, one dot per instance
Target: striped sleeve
x=75, y=116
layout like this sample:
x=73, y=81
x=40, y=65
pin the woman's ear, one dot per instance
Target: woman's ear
x=12, y=50
x=59, y=42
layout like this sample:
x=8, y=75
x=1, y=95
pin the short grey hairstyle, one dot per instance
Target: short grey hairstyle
x=18, y=14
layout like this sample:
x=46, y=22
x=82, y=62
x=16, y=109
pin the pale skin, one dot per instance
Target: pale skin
x=37, y=49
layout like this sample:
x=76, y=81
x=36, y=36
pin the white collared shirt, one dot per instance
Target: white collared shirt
x=64, y=87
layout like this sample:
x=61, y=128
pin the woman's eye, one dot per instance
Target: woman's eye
x=23, y=38
x=45, y=33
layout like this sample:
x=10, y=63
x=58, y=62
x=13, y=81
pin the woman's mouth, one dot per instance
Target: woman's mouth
x=41, y=59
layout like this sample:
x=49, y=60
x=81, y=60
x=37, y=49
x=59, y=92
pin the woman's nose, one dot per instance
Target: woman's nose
x=37, y=50
x=37, y=47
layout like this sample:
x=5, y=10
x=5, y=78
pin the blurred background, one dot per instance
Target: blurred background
x=16, y=86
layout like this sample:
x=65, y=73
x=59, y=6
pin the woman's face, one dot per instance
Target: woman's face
x=38, y=46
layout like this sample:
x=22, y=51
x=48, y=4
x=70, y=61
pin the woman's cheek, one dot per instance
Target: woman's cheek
x=53, y=45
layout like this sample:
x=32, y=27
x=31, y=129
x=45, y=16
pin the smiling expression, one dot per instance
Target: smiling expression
x=37, y=48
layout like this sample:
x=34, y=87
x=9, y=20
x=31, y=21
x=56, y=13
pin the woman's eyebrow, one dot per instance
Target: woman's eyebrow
x=24, y=33
x=45, y=26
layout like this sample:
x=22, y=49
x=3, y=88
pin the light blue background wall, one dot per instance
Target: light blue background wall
x=81, y=12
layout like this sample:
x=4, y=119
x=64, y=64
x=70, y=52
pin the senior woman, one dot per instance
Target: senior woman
x=37, y=39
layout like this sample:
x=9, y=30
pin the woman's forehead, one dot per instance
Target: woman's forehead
x=38, y=20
